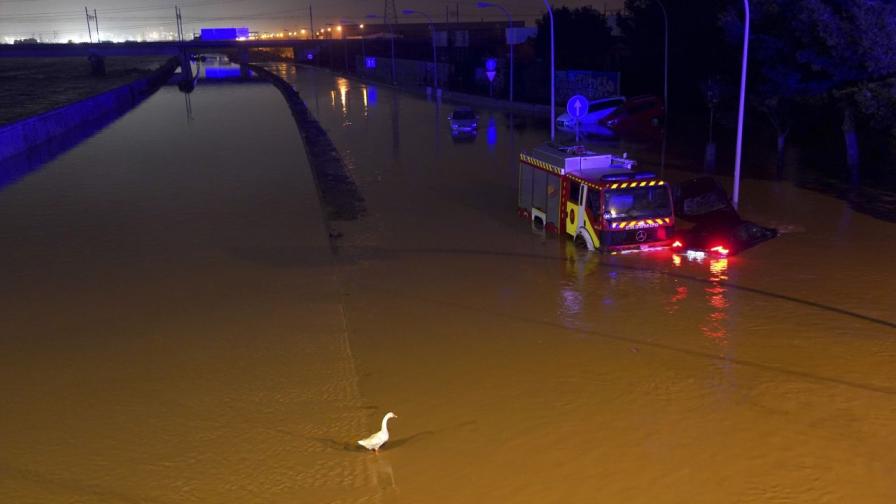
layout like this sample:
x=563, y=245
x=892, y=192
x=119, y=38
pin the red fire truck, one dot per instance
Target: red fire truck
x=597, y=199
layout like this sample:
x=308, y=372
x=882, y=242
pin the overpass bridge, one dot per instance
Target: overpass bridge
x=97, y=52
x=171, y=48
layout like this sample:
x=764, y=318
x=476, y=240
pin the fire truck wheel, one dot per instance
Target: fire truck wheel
x=582, y=241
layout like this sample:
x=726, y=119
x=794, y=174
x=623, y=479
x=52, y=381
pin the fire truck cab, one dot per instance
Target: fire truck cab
x=599, y=200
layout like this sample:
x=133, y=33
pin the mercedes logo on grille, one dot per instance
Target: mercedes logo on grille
x=641, y=235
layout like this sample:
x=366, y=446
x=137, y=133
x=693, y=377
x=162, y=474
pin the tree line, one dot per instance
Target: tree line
x=813, y=64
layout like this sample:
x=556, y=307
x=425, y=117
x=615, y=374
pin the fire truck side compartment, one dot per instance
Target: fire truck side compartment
x=553, y=198
x=525, y=193
x=540, y=189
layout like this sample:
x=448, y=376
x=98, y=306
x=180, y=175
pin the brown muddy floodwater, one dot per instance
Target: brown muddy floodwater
x=177, y=328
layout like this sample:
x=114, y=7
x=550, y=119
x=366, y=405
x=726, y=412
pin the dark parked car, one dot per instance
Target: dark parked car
x=718, y=229
x=641, y=116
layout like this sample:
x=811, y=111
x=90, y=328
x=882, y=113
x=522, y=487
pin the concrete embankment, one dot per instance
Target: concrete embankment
x=22, y=135
x=339, y=194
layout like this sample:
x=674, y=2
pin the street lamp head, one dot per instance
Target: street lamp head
x=361, y=26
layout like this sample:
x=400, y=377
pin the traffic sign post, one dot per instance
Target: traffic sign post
x=577, y=107
x=491, y=66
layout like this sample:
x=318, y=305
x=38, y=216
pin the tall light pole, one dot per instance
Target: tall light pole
x=553, y=96
x=392, y=39
x=348, y=21
x=740, y=111
x=432, y=30
x=483, y=5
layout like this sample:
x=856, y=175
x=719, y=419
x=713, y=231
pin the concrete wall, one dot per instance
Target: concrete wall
x=27, y=133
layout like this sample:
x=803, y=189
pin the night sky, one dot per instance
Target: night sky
x=61, y=20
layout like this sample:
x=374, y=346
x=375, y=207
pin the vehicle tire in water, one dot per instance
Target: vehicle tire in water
x=580, y=242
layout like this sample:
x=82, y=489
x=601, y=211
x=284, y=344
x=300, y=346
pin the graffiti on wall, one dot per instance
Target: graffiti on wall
x=592, y=85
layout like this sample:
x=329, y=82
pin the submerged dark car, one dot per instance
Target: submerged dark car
x=718, y=229
x=463, y=119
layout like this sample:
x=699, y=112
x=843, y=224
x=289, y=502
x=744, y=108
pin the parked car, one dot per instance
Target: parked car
x=639, y=116
x=463, y=119
x=597, y=110
x=718, y=229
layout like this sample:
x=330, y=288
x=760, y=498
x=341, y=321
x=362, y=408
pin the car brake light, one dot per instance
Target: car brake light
x=676, y=244
x=720, y=249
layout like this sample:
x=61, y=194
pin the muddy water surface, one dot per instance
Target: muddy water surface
x=527, y=371
x=177, y=327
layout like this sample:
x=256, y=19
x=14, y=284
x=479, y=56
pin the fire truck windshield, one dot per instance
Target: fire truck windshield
x=638, y=202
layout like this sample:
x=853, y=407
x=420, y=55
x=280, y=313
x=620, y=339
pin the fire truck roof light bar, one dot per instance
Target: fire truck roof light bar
x=616, y=177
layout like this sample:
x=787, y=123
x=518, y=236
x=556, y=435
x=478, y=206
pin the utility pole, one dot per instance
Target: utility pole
x=89, y=31
x=311, y=17
x=96, y=22
x=390, y=17
x=740, y=110
x=432, y=29
x=180, y=24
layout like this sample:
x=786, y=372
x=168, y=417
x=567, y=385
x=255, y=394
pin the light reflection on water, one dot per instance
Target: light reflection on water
x=342, y=86
x=364, y=96
x=714, y=326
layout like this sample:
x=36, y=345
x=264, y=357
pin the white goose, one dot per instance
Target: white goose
x=376, y=440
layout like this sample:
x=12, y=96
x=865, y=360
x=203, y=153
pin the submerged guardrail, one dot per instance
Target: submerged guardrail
x=340, y=196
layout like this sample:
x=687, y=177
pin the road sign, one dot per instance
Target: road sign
x=577, y=106
x=491, y=65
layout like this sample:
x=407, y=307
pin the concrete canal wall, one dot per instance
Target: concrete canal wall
x=20, y=136
x=339, y=194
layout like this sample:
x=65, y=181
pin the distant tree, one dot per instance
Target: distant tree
x=712, y=96
x=694, y=51
x=850, y=49
x=582, y=38
x=778, y=80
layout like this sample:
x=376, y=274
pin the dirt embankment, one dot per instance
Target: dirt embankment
x=30, y=86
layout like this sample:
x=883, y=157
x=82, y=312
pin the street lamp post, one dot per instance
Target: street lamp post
x=553, y=96
x=432, y=29
x=392, y=40
x=348, y=21
x=740, y=110
x=483, y=5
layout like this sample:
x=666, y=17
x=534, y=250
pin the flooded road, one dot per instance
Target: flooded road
x=177, y=327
